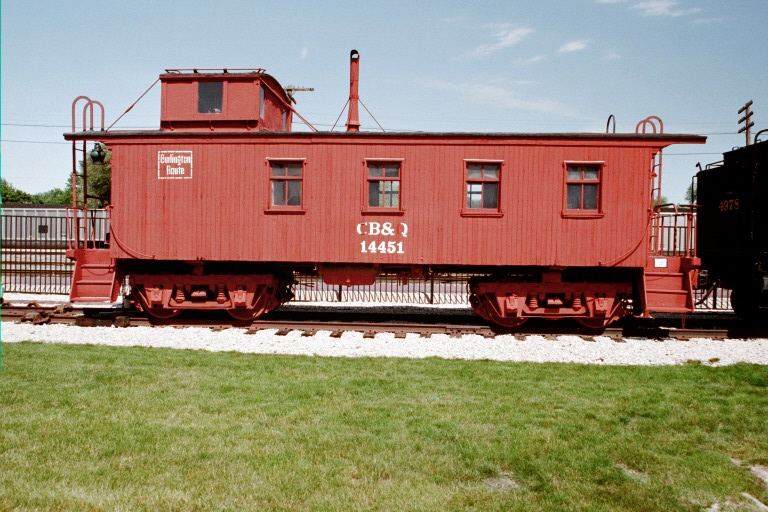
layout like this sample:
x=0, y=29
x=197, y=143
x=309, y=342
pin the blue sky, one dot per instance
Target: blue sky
x=499, y=66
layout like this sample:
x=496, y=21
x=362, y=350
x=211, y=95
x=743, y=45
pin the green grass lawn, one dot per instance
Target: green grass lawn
x=100, y=428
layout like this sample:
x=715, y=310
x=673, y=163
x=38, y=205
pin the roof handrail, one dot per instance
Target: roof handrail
x=650, y=121
x=88, y=107
x=195, y=71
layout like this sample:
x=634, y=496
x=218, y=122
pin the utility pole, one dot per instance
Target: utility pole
x=747, y=121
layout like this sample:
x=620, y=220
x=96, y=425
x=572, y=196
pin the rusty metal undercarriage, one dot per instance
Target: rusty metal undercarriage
x=507, y=300
x=510, y=303
x=244, y=297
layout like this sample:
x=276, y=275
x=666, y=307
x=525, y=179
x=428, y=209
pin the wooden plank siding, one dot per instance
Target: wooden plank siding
x=222, y=212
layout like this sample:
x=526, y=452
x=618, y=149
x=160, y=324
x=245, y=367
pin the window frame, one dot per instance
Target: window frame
x=365, y=208
x=583, y=213
x=286, y=208
x=466, y=210
x=223, y=97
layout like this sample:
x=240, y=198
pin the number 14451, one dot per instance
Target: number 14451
x=382, y=247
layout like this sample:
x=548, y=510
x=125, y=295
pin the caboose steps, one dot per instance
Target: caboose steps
x=94, y=277
x=669, y=292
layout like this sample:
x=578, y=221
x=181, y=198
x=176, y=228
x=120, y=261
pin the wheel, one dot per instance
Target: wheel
x=163, y=314
x=594, y=323
x=260, y=306
x=737, y=304
x=508, y=322
x=484, y=306
x=245, y=314
x=747, y=305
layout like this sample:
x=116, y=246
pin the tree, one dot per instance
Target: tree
x=99, y=184
x=99, y=176
x=690, y=194
x=13, y=195
x=54, y=196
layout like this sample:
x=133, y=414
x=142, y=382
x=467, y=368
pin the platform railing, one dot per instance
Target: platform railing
x=87, y=229
x=673, y=229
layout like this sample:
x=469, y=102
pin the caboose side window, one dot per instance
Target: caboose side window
x=286, y=179
x=482, y=179
x=210, y=97
x=384, y=184
x=582, y=187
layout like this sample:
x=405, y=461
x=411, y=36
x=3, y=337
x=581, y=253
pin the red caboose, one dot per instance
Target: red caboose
x=219, y=207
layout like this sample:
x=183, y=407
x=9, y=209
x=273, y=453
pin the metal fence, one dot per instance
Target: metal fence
x=436, y=289
x=714, y=299
x=33, y=249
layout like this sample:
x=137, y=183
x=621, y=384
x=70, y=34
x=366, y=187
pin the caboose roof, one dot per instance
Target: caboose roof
x=498, y=137
x=228, y=74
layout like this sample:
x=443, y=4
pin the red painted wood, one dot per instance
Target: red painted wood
x=222, y=212
x=199, y=190
x=241, y=103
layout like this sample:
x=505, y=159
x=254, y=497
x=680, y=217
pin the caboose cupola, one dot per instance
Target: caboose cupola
x=223, y=99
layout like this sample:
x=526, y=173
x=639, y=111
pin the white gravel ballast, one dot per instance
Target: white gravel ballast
x=571, y=349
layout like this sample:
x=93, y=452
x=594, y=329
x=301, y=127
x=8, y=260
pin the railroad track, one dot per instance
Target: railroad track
x=283, y=323
x=722, y=326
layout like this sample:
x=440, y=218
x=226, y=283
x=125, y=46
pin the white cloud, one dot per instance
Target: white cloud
x=304, y=52
x=497, y=95
x=525, y=82
x=574, y=46
x=667, y=8
x=531, y=60
x=611, y=55
x=505, y=36
x=706, y=21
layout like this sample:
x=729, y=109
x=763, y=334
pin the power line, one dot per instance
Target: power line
x=690, y=154
x=32, y=141
x=33, y=125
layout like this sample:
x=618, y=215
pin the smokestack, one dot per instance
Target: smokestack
x=353, y=118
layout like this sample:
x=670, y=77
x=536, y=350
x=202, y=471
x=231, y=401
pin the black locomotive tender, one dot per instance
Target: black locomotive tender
x=732, y=228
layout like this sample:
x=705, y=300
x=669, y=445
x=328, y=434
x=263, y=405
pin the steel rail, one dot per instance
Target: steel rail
x=399, y=324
